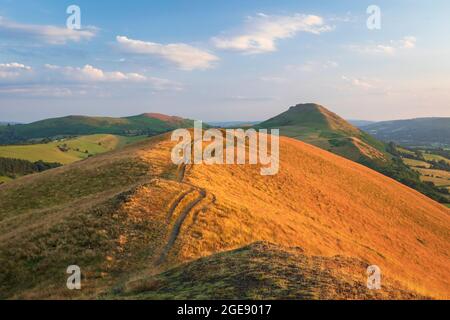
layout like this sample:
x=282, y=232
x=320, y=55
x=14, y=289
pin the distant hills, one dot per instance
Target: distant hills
x=360, y=123
x=144, y=124
x=316, y=125
x=5, y=123
x=142, y=227
x=231, y=124
x=415, y=132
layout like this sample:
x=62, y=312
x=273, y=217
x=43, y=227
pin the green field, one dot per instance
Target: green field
x=435, y=157
x=75, y=148
x=405, y=151
x=416, y=163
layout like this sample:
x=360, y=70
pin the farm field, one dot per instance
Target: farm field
x=69, y=150
x=440, y=178
x=434, y=157
x=416, y=163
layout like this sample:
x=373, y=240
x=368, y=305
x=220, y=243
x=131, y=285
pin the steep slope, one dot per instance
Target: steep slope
x=314, y=124
x=131, y=214
x=144, y=124
x=415, y=132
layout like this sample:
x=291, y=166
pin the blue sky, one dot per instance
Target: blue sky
x=224, y=60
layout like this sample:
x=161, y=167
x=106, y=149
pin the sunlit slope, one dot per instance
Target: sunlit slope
x=129, y=215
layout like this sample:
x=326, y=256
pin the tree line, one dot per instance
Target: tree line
x=14, y=168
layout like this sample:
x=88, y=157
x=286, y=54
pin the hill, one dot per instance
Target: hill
x=316, y=125
x=130, y=216
x=421, y=132
x=144, y=124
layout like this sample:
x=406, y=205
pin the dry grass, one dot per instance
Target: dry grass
x=110, y=215
x=265, y=271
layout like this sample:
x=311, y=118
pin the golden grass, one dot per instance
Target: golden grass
x=271, y=272
x=328, y=206
x=117, y=222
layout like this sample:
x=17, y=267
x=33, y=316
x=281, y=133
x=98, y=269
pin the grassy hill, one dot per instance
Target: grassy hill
x=134, y=223
x=316, y=125
x=421, y=132
x=145, y=124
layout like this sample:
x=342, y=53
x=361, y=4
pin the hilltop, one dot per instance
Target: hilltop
x=133, y=221
x=144, y=124
x=420, y=132
x=271, y=272
x=316, y=125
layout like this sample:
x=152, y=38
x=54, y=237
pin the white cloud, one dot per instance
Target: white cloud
x=40, y=91
x=89, y=73
x=13, y=70
x=262, y=32
x=408, y=42
x=186, y=57
x=359, y=82
x=49, y=34
x=61, y=81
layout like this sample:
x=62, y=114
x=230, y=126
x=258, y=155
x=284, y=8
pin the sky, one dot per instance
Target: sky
x=224, y=60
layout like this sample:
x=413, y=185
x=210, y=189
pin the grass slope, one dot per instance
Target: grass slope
x=129, y=215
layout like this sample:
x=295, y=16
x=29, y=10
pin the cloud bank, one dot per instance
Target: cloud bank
x=262, y=32
x=44, y=33
x=184, y=56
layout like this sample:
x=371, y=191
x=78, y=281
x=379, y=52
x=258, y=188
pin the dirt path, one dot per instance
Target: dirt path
x=178, y=224
x=175, y=204
x=184, y=212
